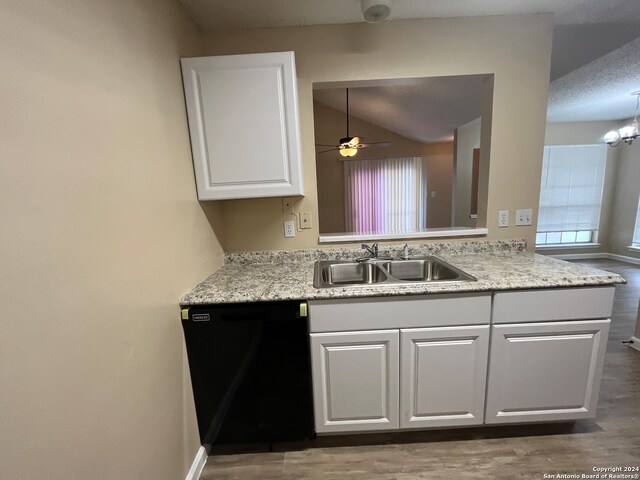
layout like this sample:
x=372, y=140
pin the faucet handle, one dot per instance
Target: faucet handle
x=372, y=250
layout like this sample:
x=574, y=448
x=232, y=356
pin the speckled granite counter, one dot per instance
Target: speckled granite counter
x=288, y=275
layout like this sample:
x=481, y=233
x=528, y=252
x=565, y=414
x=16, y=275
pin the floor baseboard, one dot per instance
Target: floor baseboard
x=624, y=258
x=579, y=256
x=592, y=256
x=636, y=343
x=198, y=464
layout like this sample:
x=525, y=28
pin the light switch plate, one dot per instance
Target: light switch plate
x=287, y=205
x=305, y=220
x=524, y=216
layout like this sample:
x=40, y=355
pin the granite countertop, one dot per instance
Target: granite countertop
x=288, y=275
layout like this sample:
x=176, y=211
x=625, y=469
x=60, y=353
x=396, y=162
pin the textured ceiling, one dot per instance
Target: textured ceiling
x=599, y=90
x=584, y=85
x=222, y=14
x=577, y=45
x=426, y=110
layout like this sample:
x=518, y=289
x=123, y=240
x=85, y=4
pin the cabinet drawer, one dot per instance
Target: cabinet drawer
x=552, y=305
x=399, y=312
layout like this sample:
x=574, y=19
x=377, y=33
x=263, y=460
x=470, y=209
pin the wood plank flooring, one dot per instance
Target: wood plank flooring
x=514, y=452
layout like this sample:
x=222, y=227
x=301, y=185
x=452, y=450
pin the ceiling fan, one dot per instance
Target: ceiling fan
x=348, y=146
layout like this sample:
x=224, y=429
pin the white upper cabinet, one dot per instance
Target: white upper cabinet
x=243, y=121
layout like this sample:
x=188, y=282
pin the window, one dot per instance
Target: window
x=386, y=196
x=571, y=194
x=636, y=231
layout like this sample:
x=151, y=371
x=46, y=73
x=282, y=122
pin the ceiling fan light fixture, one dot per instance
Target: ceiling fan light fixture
x=375, y=11
x=348, y=151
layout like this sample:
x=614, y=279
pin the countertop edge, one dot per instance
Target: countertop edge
x=394, y=291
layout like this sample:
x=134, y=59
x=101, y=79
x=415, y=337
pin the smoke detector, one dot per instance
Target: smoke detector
x=375, y=11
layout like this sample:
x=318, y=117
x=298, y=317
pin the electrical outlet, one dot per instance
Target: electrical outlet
x=289, y=228
x=433, y=194
x=503, y=218
x=287, y=205
x=305, y=220
x=524, y=216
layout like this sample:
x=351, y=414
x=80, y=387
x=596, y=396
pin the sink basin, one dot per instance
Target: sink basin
x=421, y=270
x=340, y=273
x=352, y=273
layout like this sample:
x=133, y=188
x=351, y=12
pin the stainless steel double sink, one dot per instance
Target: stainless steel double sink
x=374, y=271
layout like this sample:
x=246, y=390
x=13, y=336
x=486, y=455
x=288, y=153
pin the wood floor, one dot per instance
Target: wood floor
x=514, y=452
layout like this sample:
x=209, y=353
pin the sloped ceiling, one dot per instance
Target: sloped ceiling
x=426, y=110
x=600, y=90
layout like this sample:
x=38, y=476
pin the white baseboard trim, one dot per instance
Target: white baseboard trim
x=198, y=464
x=578, y=256
x=624, y=258
x=590, y=256
x=636, y=343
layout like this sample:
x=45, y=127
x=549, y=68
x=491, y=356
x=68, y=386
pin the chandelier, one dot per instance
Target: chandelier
x=625, y=134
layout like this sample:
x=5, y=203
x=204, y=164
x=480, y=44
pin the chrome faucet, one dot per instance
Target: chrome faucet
x=371, y=250
x=372, y=253
x=405, y=252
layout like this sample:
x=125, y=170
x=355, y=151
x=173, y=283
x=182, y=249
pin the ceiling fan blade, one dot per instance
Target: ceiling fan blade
x=374, y=144
x=324, y=145
x=330, y=150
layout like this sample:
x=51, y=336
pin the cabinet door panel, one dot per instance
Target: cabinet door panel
x=355, y=380
x=443, y=376
x=545, y=371
x=243, y=121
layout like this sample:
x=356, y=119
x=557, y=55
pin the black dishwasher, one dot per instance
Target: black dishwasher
x=250, y=371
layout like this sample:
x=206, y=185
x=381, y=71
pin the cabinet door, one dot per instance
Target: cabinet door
x=355, y=380
x=243, y=121
x=443, y=376
x=545, y=371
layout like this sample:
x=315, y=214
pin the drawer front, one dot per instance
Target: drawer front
x=552, y=305
x=545, y=371
x=399, y=312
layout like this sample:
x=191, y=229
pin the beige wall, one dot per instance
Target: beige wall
x=516, y=49
x=625, y=199
x=439, y=180
x=585, y=133
x=637, y=332
x=101, y=235
x=467, y=138
x=329, y=126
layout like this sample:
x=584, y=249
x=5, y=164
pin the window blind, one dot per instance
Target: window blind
x=386, y=195
x=636, y=231
x=571, y=188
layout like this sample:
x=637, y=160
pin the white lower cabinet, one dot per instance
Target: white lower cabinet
x=545, y=371
x=459, y=360
x=426, y=369
x=355, y=380
x=443, y=376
